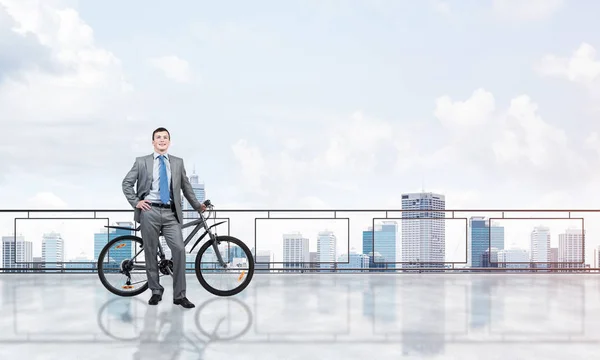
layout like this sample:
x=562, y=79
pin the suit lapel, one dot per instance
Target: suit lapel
x=174, y=172
x=149, y=169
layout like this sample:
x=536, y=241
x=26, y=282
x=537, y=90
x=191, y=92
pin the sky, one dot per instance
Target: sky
x=323, y=104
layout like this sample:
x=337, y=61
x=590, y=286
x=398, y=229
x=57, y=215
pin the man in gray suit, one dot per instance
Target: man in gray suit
x=160, y=178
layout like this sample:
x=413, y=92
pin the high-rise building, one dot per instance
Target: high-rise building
x=199, y=191
x=353, y=260
x=53, y=251
x=540, y=246
x=15, y=251
x=326, y=249
x=489, y=258
x=385, y=245
x=497, y=236
x=115, y=256
x=189, y=214
x=481, y=233
x=570, y=248
x=295, y=251
x=514, y=258
x=423, y=230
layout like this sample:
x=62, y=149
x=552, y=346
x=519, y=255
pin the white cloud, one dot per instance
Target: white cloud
x=173, y=67
x=582, y=67
x=69, y=108
x=474, y=111
x=478, y=146
x=527, y=10
x=333, y=158
x=527, y=136
x=517, y=140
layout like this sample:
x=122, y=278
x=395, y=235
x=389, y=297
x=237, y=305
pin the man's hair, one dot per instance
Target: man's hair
x=159, y=130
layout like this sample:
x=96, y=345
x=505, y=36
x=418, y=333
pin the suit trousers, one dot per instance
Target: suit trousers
x=152, y=222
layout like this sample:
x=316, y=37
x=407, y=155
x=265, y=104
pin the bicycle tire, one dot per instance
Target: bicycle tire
x=209, y=335
x=100, y=265
x=238, y=289
x=103, y=308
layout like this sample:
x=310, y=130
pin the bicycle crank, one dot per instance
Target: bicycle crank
x=166, y=267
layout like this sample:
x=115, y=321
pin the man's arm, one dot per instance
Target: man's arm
x=188, y=190
x=128, y=183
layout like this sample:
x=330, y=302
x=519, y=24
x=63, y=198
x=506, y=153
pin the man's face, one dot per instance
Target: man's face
x=161, y=142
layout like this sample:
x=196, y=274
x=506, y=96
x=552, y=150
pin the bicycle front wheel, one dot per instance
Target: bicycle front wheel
x=226, y=280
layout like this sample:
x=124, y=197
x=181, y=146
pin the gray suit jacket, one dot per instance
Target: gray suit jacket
x=141, y=176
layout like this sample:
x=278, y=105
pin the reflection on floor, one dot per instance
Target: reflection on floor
x=302, y=316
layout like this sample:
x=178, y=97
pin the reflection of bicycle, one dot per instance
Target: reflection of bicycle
x=118, y=317
x=122, y=311
x=116, y=258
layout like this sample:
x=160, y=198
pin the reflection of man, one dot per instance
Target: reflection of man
x=160, y=179
x=154, y=347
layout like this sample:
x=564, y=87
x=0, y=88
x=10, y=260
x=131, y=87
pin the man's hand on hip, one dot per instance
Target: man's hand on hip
x=144, y=205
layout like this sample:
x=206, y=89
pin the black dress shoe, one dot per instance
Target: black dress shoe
x=155, y=299
x=183, y=302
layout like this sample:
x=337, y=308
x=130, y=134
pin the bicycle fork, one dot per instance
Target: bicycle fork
x=215, y=245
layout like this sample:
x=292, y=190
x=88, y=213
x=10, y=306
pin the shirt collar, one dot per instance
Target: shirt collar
x=156, y=155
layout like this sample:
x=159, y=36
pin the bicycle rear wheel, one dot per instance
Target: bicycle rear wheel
x=233, y=278
x=118, y=262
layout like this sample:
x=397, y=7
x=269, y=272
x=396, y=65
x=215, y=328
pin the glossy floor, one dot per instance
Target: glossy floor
x=300, y=316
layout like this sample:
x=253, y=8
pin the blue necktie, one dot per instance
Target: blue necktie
x=163, y=181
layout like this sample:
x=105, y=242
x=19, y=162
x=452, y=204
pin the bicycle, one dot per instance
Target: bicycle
x=124, y=264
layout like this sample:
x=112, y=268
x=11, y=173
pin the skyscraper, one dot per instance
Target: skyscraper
x=16, y=250
x=53, y=250
x=199, y=191
x=353, y=260
x=570, y=248
x=423, y=229
x=189, y=214
x=385, y=244
x=509, y=258
x=326, y=249
x=115, y=256
x=295, y=251
x=540, y=246
x=480, y=240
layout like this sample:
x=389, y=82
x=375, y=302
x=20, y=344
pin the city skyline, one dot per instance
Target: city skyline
x=516, y=231
x=555, y=231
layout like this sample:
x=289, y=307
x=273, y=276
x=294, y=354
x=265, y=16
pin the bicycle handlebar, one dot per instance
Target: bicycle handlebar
x=209, y=208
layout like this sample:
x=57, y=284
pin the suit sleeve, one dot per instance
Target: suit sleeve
x=128, y=183
x=188, y=190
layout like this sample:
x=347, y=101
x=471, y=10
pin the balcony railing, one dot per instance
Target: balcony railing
x=326, y=241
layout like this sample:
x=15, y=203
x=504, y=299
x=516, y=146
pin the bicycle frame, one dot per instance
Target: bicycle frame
x=201, y=222
x=198, y=223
